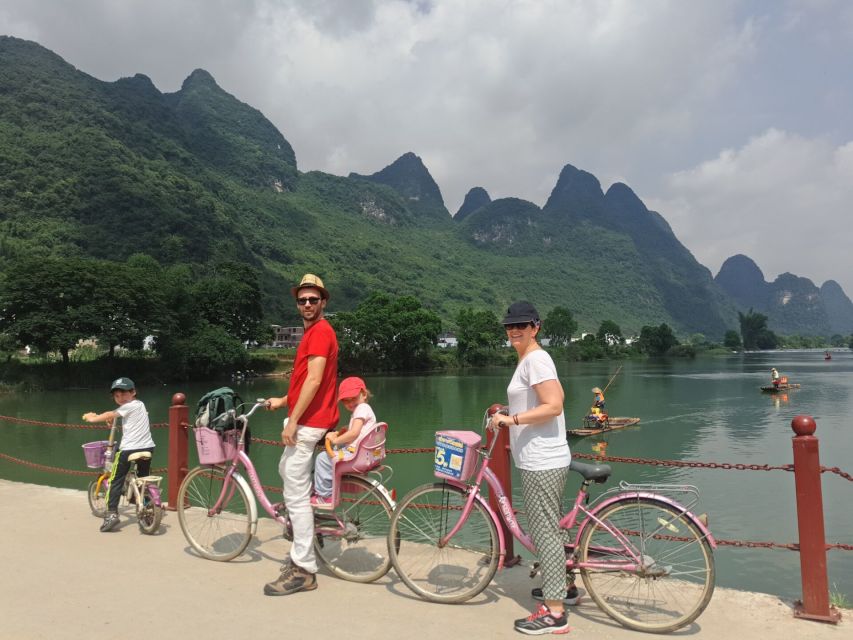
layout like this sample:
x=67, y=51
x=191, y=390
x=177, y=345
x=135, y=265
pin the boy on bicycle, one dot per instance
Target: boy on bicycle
x=136, y=436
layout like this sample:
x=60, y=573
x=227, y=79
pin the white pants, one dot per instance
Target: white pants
x=295, y=471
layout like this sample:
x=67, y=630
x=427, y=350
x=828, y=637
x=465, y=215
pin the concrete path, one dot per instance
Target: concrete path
x=60, y=576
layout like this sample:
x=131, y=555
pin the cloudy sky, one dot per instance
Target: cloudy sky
x=732, y=118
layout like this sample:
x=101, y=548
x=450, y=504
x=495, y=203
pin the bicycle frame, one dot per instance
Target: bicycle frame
x=132, y=478
x=233, y=475
x=507, y=514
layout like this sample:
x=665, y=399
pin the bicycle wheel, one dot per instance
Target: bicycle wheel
x=358, y=551
x=148, y=514
x=98, y=498
x=460, y=569
x=675, y=580
x=221, y=535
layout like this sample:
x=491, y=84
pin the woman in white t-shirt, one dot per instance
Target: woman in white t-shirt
x=537, y=435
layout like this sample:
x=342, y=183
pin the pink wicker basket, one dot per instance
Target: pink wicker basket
x=215, y=447
x=95, y=453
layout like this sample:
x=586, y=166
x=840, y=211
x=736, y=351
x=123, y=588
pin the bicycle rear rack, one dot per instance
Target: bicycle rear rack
x=685, y=494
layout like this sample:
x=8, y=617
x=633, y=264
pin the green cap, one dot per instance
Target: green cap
x=125, y=384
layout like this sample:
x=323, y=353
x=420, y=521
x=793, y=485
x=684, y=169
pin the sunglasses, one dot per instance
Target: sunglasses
x=518, y=325
x=312, y=301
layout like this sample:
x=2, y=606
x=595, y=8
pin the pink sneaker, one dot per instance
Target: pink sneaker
x=321, y=501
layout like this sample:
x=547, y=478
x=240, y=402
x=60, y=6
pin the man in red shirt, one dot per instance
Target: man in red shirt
x=312, y=411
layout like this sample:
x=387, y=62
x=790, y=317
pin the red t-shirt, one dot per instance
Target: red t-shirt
x=319, y=340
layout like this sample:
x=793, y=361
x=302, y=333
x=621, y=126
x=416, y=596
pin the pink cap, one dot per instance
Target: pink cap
x=351, y=387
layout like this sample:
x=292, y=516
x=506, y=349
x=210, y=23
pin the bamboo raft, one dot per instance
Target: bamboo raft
x=613, y=424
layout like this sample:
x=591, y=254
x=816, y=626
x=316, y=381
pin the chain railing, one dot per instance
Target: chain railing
x=660, y=462
x=807, y=470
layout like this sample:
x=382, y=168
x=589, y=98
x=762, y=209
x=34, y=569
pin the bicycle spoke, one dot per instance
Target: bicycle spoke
x=220, y=534
x=353, y=543
x=673, y=579
x=460, y=569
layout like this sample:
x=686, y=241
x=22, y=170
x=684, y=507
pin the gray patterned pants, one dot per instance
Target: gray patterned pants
x=543, y=495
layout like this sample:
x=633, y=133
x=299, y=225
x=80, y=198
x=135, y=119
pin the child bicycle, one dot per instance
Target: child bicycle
x=645, y=559
x=219, y=515
x=142, y=492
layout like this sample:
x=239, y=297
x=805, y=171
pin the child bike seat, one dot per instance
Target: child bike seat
x=370, y=452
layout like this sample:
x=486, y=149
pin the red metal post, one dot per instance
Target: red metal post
x=179, y=414
x=815, y=602
x=502, y=467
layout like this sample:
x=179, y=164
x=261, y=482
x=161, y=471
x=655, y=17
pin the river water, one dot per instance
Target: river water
x=705, y=410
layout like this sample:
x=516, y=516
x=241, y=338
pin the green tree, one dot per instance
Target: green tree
x=698, y=340
x=609, y=334
x=229, y=296
x=52, y=303
x=657, y=341
x=558, y=326
x=387, y=334
x=754, y=331
x=209, y=352
x=478, y=336
x=133, y=303
x=732, y=340
x=767, y=340
x=589, y=348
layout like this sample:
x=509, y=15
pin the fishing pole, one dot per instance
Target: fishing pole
x=618, y=369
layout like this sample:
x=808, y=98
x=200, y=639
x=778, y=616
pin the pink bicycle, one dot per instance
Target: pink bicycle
x=645, y=559
x=219, y=515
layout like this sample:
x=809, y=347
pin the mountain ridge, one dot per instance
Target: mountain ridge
x=197, y=176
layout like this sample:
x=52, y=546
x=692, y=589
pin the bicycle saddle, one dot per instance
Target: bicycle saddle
x=139, y=455
x=596, y=472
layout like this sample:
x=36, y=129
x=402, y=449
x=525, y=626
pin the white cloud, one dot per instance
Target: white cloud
x=781, y=199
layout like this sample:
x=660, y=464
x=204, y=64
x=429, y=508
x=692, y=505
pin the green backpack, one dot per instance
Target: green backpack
x=214, y=408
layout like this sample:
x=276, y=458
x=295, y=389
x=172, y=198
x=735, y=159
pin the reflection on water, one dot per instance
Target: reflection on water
x=709, y=410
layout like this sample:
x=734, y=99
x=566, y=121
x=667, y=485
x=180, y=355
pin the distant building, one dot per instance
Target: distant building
x=447, y=339
x=285, y=337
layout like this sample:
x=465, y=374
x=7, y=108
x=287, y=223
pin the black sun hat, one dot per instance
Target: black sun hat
x=521, y=311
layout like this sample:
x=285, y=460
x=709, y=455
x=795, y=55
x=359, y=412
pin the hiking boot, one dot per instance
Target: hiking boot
x=542, y=621
x=571, y=598
x=293, y=578
x=109, y=522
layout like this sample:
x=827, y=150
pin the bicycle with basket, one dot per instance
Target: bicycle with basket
x=645, y=558
x=218, y=513
x=143, y=492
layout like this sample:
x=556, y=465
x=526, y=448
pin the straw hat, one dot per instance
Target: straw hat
x=310, y=280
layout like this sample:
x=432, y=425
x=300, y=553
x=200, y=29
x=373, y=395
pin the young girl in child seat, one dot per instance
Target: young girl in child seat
x=353, y=394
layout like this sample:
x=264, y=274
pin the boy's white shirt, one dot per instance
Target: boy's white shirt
x=135, y=427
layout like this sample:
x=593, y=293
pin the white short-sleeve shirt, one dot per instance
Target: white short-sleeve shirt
x=135, y=428
x=365, y=412
x=541, y=446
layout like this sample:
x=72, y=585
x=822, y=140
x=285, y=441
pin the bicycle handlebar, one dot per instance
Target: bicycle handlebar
x=260, y=402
